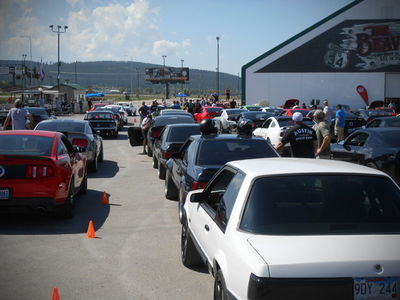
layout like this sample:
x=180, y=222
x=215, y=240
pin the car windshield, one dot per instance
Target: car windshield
x=234, y=111
x=322, y=204
x=181, y=134
x=224, y=151
x=253, y=108
x=213, y=109
x=61, y=126
x=391, y=138
x=26, y=145
x=100, y=115
x=395, y=122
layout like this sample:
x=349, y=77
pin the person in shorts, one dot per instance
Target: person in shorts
x=19, y=117
x=340, y=123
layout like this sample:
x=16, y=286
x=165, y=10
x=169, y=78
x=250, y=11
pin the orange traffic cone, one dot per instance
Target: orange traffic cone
x=55, y=296
x=91, y=234
x=104, y=200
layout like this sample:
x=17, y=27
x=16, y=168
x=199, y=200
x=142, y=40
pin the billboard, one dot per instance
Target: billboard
x=167, y=74
x=351, y=46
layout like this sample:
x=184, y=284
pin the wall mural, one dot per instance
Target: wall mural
x=351, y=46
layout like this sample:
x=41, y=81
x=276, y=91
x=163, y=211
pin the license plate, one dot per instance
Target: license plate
x=381, y=288
x=4, y=194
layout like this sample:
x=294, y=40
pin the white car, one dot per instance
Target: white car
x=228, y=119
x=129, y=107
x=289, y=228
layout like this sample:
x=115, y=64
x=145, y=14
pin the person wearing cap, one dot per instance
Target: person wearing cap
x=18, y=117
x=323, y=135
x=302, y=138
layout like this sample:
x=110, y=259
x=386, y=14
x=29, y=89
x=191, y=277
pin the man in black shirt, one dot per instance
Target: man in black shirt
x=302, y=138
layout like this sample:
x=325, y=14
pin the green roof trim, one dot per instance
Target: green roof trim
x=74, y=86
x=335, y=14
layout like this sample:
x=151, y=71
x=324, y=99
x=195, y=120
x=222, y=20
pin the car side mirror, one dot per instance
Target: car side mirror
x=199, y=197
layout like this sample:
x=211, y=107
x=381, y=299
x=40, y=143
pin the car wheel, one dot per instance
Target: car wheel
x=94, y=166
x=220, y=292
x=83, y=187
x=182, y=198
x=170, y=190
x=101, y=155
x=155, y=162
x=161, y=171
x=149, y=152
x=68, y=207
x=189, y=254
x=372, y=165
x=115, y=135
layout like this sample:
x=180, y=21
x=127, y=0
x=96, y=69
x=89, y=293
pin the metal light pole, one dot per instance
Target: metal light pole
x=238, y=84
x=23, y=69
x=137, y=92
x=218, y=66
x=30, y=55
x=166, y=82
x=183, y=83
x=60, y=29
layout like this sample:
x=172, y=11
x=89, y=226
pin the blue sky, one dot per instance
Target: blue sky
x=144, y=30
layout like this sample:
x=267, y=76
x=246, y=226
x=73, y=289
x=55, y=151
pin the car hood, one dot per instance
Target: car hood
x=329, y=256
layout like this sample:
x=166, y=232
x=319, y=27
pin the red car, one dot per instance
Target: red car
x=207, y=112
x=97, y=105
x=291, y=111
x=41, y=171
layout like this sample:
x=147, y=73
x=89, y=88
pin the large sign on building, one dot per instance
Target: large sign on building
x=351, y=46
x=167, y=74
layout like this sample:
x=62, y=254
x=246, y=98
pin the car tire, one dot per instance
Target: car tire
x=155, y=162
x=170, y=190
x=161, y=171
x=67, y=211
x=220, y=291
x=83, y=187
x=115, y=135
x=149, y=151
x=189, y=255
x=94, y=165
x=101, y=155
x=372, y=165
x=181, y=203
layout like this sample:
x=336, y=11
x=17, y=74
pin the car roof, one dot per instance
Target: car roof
x=64, y=121
x=292, y=166
x=226, y=137
x=380, y=129
x=183, y=125
x=45, y=133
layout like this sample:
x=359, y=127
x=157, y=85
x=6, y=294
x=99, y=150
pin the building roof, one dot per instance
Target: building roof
x=73, y=85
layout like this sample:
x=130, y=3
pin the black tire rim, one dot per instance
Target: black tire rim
x=184, y=242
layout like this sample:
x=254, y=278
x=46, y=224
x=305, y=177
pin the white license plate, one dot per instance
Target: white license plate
x=4, y=194
x=380, y=288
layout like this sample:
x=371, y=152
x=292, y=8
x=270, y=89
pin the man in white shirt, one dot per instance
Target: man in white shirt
x=18, y=117
x=328, y=112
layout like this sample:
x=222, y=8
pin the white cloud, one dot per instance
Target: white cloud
x=164, y=47
x=186, y=43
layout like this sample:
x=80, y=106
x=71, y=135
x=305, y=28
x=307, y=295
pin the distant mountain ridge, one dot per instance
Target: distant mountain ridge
x=124, y=75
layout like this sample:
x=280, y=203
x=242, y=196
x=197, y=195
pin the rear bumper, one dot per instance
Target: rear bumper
x=48, y=204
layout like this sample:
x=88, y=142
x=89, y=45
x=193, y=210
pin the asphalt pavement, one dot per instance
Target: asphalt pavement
x=136, y=252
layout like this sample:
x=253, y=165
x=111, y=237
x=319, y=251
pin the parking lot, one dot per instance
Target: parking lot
x=136, y=253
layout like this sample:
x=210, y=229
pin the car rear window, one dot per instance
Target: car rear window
x=172, y=119
x=322, y=204
x=219, y=152
x=61, y=126
x=26, y=145
x=181, y=134
x=100, y=115
x=213, y=109
x=257, y=115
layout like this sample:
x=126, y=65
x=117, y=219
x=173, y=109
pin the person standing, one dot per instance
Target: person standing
x=58, y=105
x=232, y=103
x=301, y=137
x=327, y=112
x=146, y=124
x=190, y=107
x=18, y=117
x=89, y=103
x=323, y=135
x=80, y=102
x=143, y=111
x=340, y=123
x=72, y=106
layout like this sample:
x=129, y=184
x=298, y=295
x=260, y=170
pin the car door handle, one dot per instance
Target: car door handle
x=207, y=227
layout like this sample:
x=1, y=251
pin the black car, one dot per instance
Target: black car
x=103, y=122
x=372, y=114
x=257, y=117
x=377, y=148
x=117, y=116
x=158, y=125
x=179, y=112
x=39, y=114
x=80, y=134
x=353, y=123
x=384, y=122
x=203, y=155
x=172, y=138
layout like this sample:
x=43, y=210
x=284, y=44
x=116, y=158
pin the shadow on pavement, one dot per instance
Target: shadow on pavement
x=200, y=269
x=107, y=169
x=87, y=207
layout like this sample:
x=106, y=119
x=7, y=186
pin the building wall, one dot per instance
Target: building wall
x=336, y=87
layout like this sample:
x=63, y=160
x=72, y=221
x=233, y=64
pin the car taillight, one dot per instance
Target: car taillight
x=166, y=155
x=39, y=171
x=198, y=185
x=254, y=125
x=155, y=133
x=80, y=142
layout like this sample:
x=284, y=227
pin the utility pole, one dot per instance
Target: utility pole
x=137, y=73
x=24, y=70
x=60, y=29
x=165, y=80
x=76, y=75
x=218, y=66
